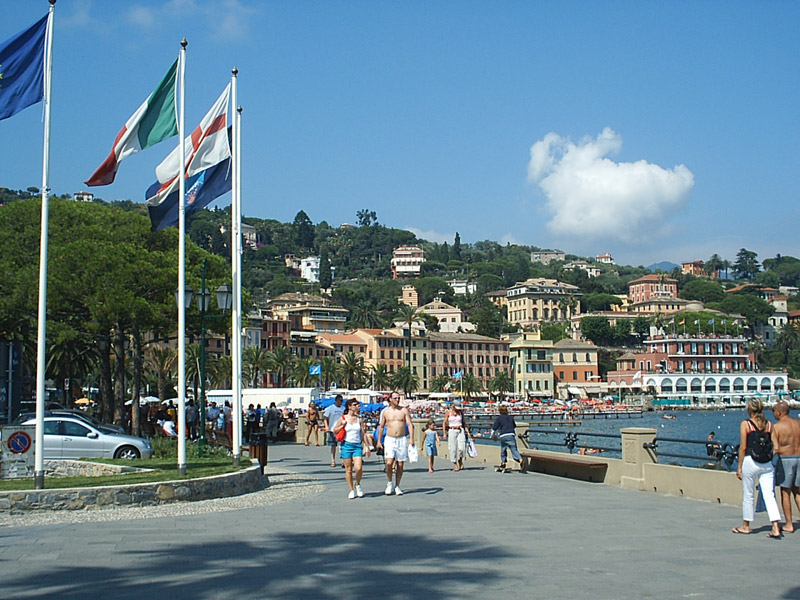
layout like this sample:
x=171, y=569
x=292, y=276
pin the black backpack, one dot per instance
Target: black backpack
x=759, y=444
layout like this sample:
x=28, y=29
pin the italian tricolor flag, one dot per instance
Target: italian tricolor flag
x=154, y=121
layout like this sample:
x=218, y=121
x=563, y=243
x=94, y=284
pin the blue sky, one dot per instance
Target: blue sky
x=653, y=131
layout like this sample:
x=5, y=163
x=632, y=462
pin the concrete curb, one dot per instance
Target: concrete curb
x=139, y=494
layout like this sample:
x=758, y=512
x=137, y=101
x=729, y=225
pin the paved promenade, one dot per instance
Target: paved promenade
x=473, y=534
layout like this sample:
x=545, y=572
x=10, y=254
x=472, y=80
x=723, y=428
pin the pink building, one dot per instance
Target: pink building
x=652, y=286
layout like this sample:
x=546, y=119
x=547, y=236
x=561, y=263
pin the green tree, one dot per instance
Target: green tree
x=554, y=331
x=162, y=361
x=255, y=362
x=366, y=217
x=353, y=370
x=281, y=363
x=301, y=374
x=470, y=386
x=501, y=383
x=703, y=290
x=407, y=314
x=325, y=275
x=380, y=376
x=440, y=383
x=746, y=265
x=403, y=379
x=330, y=371
x=303, y=231
x=596, y=329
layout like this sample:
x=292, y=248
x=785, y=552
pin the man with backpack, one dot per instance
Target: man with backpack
x=786, y=438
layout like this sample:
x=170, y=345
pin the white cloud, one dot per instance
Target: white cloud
x=432, y=236
x=591, y=196
x=226, y=19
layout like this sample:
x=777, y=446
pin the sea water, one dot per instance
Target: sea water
x=688, y=425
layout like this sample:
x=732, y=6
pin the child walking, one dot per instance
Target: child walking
x=431, y=439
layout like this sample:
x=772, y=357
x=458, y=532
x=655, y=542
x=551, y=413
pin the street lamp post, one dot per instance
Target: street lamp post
x=224, y=299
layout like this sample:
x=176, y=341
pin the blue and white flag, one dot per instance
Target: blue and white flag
x=22, y=69
x=315, y=370
x=711, y=321
x=458, y=374
x=201, y=190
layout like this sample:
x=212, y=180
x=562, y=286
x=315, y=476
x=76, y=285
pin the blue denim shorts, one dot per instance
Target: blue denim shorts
x=351, y=449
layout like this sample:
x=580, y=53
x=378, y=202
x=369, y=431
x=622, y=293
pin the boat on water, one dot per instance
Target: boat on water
x=668, y=417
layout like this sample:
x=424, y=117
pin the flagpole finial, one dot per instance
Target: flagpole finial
x=239, y=109
x=52, y=2
x=235, y=71
x=184, y=43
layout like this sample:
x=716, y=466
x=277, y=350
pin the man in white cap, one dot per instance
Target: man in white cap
x=399, y=434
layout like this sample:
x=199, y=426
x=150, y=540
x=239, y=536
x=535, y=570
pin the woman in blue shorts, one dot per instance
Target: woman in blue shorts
x=353, y=446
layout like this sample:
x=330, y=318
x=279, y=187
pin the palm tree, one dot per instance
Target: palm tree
x=788, y=339
x=365, y=315
x=71, y=356
x=470, y=385
x=380, y=376
x=219, y=371
x=404, y=379
x=161, y=361
x=353, y=369
x=407, y=314
x=501, y=383
x=255, y=361
x=192, y=369
x=301, y=374
x=440, y=383
x=330, y=370
x=281, y=362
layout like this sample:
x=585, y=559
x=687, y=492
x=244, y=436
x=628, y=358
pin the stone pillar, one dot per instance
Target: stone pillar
x=302, y=429
x=635, y=456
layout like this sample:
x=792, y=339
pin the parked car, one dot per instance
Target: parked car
x=107, y=427
x=72, y=437
x=66, y=412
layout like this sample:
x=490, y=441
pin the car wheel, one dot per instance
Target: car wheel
x=127, y=453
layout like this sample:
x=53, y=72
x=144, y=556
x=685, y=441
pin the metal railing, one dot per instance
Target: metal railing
x=572, y=440
x=721, y=456
x=715, y=455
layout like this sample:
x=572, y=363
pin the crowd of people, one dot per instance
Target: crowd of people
x=162, y=419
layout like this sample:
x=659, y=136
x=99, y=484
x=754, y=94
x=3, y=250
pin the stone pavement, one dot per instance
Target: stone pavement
x=472, y=534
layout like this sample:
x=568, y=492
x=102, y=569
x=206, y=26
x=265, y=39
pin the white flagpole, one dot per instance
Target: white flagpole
x=41, y=338
x=236, y=249
x=182, y=269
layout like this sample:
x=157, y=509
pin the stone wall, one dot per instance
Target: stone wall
x=81, y=468
x=139, y=494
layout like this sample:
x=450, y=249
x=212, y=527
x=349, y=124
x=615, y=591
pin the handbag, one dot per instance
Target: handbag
x=341, y=434
x=471, y=449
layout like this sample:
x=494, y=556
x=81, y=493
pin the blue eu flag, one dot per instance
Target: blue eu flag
x=22, y=69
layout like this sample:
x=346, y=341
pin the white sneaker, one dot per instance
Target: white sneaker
x=398, y=491
x=359, y=491
x=351, y=495
x=389, y=489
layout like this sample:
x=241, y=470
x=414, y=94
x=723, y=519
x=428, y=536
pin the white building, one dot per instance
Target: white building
x=407, y=261
x=591, y=270
x=450, y=318
x=462, y=287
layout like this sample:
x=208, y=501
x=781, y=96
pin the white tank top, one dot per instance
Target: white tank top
x=353, y=432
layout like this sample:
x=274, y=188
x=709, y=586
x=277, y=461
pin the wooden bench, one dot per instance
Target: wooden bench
x=218, y=437
x=564, y=465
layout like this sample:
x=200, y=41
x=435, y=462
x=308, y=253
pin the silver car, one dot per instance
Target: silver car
x=71, y=437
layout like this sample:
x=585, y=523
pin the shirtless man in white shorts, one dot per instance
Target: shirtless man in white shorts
x=397, y=440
